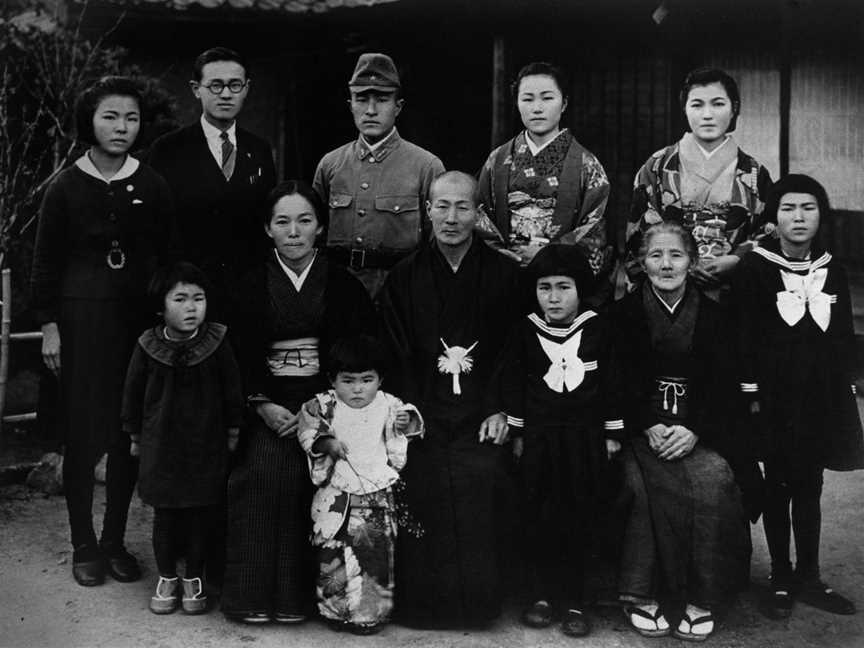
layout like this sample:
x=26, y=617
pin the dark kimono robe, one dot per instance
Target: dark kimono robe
x=686, y=538
x=560, y=392
x=269, y=563
x=445, y=330
x=179, y=401
x=802, y=373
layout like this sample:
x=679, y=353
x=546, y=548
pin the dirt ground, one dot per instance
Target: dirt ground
x=40, y=604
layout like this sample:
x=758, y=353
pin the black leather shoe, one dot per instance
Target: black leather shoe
x=539, y=615
x=122, y=565
x=778, y=604
x=822, y=597
x=575, y=624
x=88, y=566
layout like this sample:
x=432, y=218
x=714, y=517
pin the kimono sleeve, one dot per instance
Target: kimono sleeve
x=645, y=210
x=590, y=230
x=486, y=227
x=49, y=254
x=232, y=385
x=758, y=223
x=312, y=426
x=132, y=412
x=395, y=336
x=396, y=442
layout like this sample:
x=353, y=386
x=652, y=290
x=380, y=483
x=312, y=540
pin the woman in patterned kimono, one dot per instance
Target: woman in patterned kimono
x=686, y=544
x=542, y=185
x=704, y=181
x=295, y=303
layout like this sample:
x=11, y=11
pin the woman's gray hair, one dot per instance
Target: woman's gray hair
x=670, y=227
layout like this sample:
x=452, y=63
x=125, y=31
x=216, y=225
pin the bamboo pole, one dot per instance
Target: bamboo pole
x=5, y=323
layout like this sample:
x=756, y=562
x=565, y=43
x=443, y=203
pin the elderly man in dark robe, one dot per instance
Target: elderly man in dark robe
x=446, y=310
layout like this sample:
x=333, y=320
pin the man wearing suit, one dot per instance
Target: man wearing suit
x=220, y=175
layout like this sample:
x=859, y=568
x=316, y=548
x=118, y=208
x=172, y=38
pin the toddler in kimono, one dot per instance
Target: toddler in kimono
x=356, y=437
x=556, y=382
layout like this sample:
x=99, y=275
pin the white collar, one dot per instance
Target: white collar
x=296, y=279
x=709, y=154
x=536, y=149
x=671, y=308
x=558, y=332
x=374, y=147
x=130, y=166
x=213, y=133
x=807, y=265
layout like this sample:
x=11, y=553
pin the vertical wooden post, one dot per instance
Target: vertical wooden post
x=500, y=93
x=5, y=324
x=786, y=26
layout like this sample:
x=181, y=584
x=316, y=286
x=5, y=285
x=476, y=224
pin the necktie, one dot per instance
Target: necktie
x=227, y=155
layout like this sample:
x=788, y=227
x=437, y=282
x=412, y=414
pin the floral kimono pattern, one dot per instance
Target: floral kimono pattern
x=720, y=227
x=535, y=184
x=353, y=520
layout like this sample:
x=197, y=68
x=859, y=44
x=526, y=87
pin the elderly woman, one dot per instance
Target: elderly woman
x=296, y=305
x=104, y=226
x=704, y=181
x=543, y=185
x=686, y=544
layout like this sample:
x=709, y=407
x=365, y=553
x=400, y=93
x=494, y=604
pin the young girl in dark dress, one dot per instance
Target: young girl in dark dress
x=182, y=409
x=104, y=225
x=557, y=382
x=797, y=366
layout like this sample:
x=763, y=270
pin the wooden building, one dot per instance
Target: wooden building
x=798, y=62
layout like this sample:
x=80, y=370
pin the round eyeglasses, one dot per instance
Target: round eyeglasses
x=235, y=87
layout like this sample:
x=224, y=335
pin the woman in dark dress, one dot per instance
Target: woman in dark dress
x=296, y=305
x=794, y=324
x=104, y=224
x=686, y=543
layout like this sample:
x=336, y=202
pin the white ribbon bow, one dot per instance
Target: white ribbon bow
x=567, y=370
x=804, y=293
x=455, y=360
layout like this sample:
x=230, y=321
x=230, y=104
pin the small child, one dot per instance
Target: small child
x=182, y=408
x=357, y=440
x=797, y=365
x=555, y=380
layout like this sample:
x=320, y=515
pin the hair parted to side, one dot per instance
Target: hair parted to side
x=541, y=68
x=670, y=227
x=299, y=188
x=168, y=276
x=89, y=100
x=218, y=54
x=706, y=76
x=795, y=183
x=355, y=354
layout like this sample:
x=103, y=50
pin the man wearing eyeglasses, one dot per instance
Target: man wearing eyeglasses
x=220, y=175
x=375, y=186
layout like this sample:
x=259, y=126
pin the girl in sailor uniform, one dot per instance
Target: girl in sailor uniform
x=794, y=321
x=555, y=380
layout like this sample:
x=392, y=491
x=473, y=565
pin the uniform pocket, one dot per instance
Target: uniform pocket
x=400, y=219
x=397, y=204
x=339, y=201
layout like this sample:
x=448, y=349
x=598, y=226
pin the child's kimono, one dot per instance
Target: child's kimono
x=353, y=516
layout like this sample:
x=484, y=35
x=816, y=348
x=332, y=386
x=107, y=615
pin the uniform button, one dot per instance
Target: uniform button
x=396, y=208
x=361, y=212
x=358, y=240
x=112, y=217
x=364, y=185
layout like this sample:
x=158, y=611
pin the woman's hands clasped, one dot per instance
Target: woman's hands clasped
x=670, y=442
x=278, y=418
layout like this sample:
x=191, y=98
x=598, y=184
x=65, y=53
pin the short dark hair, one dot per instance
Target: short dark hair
x=707, y=76
x=541, y=68
x=559, y=259
x=795, y=183
x=168, y=276
x=300, y=188
x=218, y=54
x=355, y=354
x=89, y=100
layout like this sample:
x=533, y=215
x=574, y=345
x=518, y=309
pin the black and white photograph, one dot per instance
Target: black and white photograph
x=431, y=323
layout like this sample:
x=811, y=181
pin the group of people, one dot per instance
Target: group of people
x=525, y=408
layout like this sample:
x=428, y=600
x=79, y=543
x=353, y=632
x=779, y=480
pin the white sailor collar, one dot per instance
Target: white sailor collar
x=807, y=265
x=557, y=333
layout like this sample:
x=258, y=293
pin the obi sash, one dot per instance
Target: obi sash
x=294, y=357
